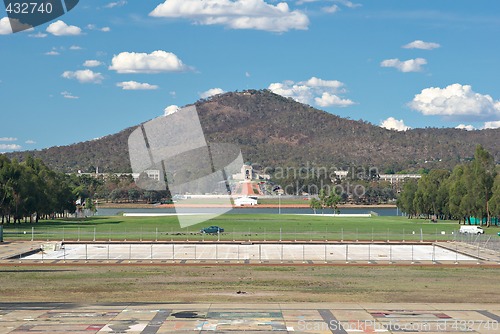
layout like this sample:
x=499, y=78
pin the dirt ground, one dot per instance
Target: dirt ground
x=238, y=283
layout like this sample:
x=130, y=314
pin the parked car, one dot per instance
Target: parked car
x=471, y=230
x=212, y=230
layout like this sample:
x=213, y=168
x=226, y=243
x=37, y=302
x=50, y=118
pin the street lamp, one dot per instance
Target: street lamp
x=279, y=203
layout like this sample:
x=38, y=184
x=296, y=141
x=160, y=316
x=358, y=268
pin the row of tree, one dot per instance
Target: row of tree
x=357, y=188
x=325, y=200
x=30, y=190
x=471, y=190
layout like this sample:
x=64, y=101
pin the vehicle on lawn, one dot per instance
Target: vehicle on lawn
x=471, y=229
x=212, y=230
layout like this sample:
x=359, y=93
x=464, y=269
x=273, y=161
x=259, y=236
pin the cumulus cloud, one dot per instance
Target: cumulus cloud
x=418, y=44
x=75, y=48
x=10, y=147
x=68, y=95
x=411, y=65
x=465, y=127
x=5, y=28
x=92, y=63
x=456, y=101
x=59, y=28
x=491, y=125
x=324, y=93
x=30, y=142
x=394, y=124
x=8, y=139
x=211, y=92
x=237, y=14
x=171, y=109
x=331, y=100
x=155, y=62
x=52, y=53
x=7, y=24
x=84, y=76
x=134, y=85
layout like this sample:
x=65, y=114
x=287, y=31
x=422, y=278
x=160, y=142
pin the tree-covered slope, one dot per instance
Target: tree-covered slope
x=275, y=131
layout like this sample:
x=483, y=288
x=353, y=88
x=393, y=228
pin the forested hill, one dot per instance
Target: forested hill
x=276, y=131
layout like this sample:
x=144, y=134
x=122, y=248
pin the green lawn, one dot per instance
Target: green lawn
x=238, y=227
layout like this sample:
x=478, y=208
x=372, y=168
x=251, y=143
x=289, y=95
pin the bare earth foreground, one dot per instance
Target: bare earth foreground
x=244, y=283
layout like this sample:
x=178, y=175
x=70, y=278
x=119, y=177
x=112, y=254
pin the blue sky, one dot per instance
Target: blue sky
x=108, y=65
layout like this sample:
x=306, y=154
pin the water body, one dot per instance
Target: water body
x=379, y=211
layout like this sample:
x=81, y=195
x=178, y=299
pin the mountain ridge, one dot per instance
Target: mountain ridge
x=273, y=131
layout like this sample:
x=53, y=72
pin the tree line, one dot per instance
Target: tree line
x=31, y=191
x=470, y=190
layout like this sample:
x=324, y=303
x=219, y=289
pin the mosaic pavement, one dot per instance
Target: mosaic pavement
x=236, y=318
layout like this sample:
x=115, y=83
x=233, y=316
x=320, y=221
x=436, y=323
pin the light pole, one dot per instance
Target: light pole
x=279, y=204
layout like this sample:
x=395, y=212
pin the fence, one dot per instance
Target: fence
x=488, y=241
x=95, y=233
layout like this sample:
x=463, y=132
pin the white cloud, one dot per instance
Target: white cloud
x=52, y=53
x=491, y=125
x=68, y=95
x=8, y=139
x=171, y=109
x=393, y=124
x=94, y=27
x=456, y=100
x=324, y=93
x=348, y=3
x=418, y=44
x=237, y=14
x=116, y=4
x=411, y=65
x=30, y=142
x=10, y=147
x=211, y=92
x=465, y=127
x=38, y=35
x=75, y=48
x=5, y=28
x=155, y=62
x=134, y=85
x=331, y=9
x=84, y=76
x=317, y=82
x=331, y=100
x=59, y=28
x=92, y=63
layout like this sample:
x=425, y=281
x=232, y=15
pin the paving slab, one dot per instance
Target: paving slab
x=337, y=318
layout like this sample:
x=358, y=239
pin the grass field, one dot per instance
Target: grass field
x=212, y=283
x=97, y=284
x=239, y=227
